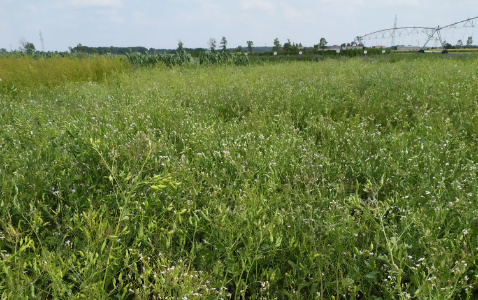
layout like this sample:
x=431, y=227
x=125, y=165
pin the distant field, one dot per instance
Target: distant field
x=470, y=50
x=339, y=179
x=464, y=50
x=18, y=72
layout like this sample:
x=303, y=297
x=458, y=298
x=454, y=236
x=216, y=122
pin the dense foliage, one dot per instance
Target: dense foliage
x=330, y=180
x=182, y=57
x=155, y=58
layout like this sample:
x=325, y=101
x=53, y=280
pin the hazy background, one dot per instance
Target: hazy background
x=162, y=23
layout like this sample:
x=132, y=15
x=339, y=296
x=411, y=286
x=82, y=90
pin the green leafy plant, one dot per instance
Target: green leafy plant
x=332, y=179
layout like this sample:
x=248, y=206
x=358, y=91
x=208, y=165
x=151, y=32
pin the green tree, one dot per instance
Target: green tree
x=459, y=44
x=287, y=46
x=277, y=45
x=469, y=41
x=239, y=48
x=180, y=45
x=212, y=44
x=224, y=44
x=322, y=43
x=27, y=46
x=359, y=40
x=80, y=48
x=249, y=46
x=290, y=46
x=30, y=48
x=447, y=45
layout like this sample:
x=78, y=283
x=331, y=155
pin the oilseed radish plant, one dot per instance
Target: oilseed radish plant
x=338, y=179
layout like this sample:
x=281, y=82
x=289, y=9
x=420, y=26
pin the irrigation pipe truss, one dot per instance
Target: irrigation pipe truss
x=429, y=31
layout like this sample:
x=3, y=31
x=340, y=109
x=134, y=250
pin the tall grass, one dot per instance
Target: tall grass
x=19, y=72
x=340, y=179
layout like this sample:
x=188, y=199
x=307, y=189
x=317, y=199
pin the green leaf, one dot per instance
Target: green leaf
x=372, y=275
x=348, y=282
x=127, y=178
x=292, y=264
x=103, y=246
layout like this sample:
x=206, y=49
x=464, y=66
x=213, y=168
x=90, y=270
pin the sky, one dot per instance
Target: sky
x=162, y=23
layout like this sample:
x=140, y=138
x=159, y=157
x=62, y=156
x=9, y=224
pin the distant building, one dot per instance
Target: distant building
x=334, y=47
x=408, y=48
x=354, y=47
x=379, y=47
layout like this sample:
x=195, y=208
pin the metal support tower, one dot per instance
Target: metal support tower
x=42, y=43
x=394, y=30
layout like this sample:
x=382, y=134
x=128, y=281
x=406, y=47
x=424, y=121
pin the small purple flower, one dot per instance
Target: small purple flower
x=73, y=190
x=344, y=252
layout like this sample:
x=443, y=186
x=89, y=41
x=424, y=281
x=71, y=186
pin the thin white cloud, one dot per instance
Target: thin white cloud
x=294, y=12
x=413, y=3
x=97, y=3
x=256, y=4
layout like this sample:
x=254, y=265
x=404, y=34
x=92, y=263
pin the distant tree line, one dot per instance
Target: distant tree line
x=460, y=44
x=124, y=50
x=288, y=48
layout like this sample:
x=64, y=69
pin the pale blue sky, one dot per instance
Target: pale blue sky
x=160, y=24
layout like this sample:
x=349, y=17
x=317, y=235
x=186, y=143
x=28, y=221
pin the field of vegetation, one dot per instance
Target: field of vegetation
x=344, y=178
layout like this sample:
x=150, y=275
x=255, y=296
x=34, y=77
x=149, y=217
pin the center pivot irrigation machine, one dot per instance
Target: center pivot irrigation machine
x=442, y=36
